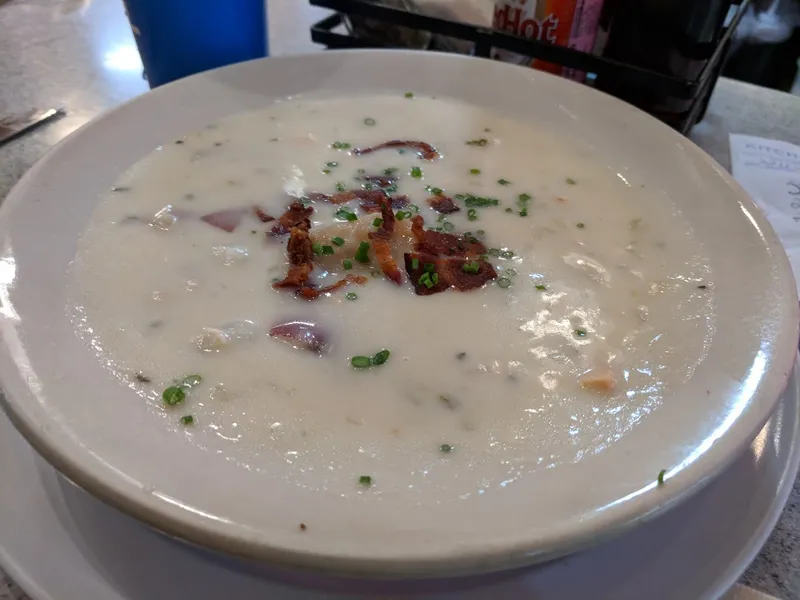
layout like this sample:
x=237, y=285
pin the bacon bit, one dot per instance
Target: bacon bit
x=312, y=293
x=450, y=272
x=380, y=243
x=227, y=220
x=424, y=150
x=443, y=244
x=261, y=215
x=602, y=381
x=300, y=254
x=302, y=335
x=296, y=215
x=443, y=204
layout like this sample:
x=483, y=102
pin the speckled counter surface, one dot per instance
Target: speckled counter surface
x=79, y=54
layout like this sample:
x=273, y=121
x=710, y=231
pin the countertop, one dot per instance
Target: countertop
x=79, y=54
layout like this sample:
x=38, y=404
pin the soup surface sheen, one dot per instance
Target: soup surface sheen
x=600, y=307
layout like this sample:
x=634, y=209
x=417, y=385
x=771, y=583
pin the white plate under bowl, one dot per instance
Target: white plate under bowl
x=73, y=547
x=89, y=426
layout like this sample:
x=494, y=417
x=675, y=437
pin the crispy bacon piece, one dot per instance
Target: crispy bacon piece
x=449, y=273
x=437, y=243
x=296, y=215
x=424, y=150
x=302, y=335
x=300, y=254
x=261, y=215
x=370, y=206
x=443, y=204
x=380, y=243
x=312, y=293
x=227, y=220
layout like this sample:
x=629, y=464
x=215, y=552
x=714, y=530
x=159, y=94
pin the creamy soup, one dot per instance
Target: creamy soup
x=520, y=304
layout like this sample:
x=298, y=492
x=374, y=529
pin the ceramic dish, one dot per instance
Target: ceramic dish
x=207, y=490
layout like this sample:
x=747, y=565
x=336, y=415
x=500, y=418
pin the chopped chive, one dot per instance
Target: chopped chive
x=390, y=189
x=580, y=226
x=504, y=282
x=571, y=181
x=506, y=254
x=508, y=210
x=381, y=357
x=331, y=164
x=436, y=191
x=541, y=288
x=345, y=214
x=434, y=278
x=661, y=474
x=367, y=186
x=326, y=171
x=523, y=212
x=461, y=355
x=362, y=254
x=369, y=121
x=448, y=226
x=187, y=420
x=478, y=201
x=480, y=142
x=347, y=264
x=413, y=208
x=430, y=267
x=416, y=172
x=377, y=222
x=351, y=296
x=340, y=187
x=503, y=181
x=316, y=249
x=340, y=145
x=361, y=171
x=414, y=264
x=361, y=362
x=337, y=241
x=173, y=395
x=403, y=214
x=480, y=232
x=409, y=94
x=475, y=171
x=471, y=267
x=523, y=198
x=472, y=214
x=580, y=332
x=390, y=171
x=446, y=448
x=327, y=250
x=366, y=480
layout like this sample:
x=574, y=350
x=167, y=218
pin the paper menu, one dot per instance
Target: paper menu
x=769, y=171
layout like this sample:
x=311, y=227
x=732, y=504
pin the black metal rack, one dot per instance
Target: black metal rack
x=485, y=40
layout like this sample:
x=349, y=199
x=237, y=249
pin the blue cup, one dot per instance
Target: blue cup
x=177, y=38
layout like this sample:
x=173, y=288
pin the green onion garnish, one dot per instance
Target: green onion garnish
x=580, y=332
x=337, y=241
x=448, y=226
x=187, y=420
x=475, y=171
x=509, y=210
x=366, y=480
x=369, y=121
x=480, y=142
x=390, y=171
x=326, y=171
x=504, y=282
x=361, y=362
x=403, y=214
x=340, y=145
x=478, y=201
x=362, y=254
x=340, y=187
x=425, y=279
x=414, y=264
x=541, y=288
x=571, y=181
x=446, y=448
x=381, y=357
x=331, y=164
x=503, y=181
x=523, y=212
x=173, y=395
x=430, y=267
x=377, y=222
x=351, y=296
x=416, y=172
x=580, y=225
x=409, y=94
x=436, y=191
x=523, y=198
x=471, y=267
x=345, y=214
x=472, y=214
x=316, y=249
x=661, y=474
x=414, y=208
x=506, y=254
x=347, y=264
x=327, y=250
x=434, y=278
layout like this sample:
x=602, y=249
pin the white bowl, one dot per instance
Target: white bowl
x=92, y=428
